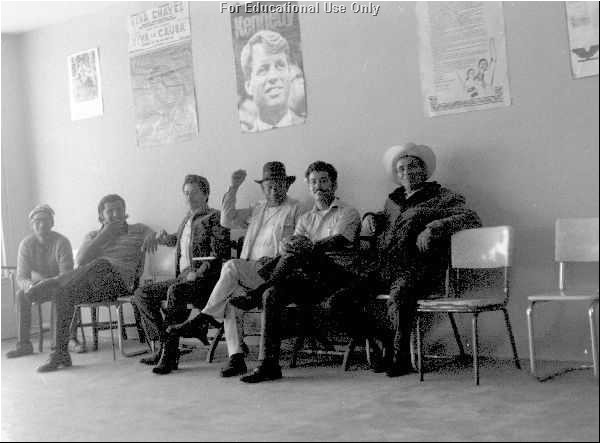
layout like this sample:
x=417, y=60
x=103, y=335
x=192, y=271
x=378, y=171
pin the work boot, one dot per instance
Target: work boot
x=169, y=358
x=401, y=365
x=252, y=299
x=56, y=360
x=22, y=349
x=153, y=359
x=267, y=371
x=235, y=366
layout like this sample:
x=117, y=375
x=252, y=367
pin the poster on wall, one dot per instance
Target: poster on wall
x=85, y=86
x=162, y=75
x=268, y=65
x=582, y=22
x=462, y=54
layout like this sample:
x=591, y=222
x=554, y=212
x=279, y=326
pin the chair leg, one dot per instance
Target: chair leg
x=298, y=345
x=512, y=339
x=530, y=333
x=53, y=323
x=349, y=349
x=110, y=326
x=94, y=314
x=475, y=349
x=461, y=349
x=213, y=346
x=41, y=320
x=368, y=351
x=419, y=348
x=591, y=314
x=121, y=320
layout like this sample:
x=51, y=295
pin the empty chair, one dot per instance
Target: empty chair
x=477, y=249
x=576, y=240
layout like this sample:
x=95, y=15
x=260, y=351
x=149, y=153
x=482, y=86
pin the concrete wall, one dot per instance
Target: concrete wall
x=523, y=165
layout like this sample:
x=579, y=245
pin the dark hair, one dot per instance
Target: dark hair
x=199, y=180
x=321, y=166
x=108, y=199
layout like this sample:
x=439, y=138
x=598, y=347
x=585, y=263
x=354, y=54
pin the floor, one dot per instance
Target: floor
x=99, y=399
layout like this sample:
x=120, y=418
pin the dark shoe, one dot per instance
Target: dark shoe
x=77, y=347
x=169, y=358
x=263, y=373
x=21, y=350
x=153, y=359
x=235, y=366
x=250, y=300
x=57, y=359
x=400, y=366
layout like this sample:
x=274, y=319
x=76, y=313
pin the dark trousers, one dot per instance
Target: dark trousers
x=336, y=293
x=94, y=282
x=178, y=293
x=24, y=301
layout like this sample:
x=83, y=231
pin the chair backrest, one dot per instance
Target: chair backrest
x=162, y=263
x=482, y=248
x=576, y=240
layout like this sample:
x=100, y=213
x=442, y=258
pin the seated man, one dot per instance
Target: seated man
x=413, y=238
x=42, y=256
x=109, y=263
x=200, y=234
x=306, y=273
x=268, y=222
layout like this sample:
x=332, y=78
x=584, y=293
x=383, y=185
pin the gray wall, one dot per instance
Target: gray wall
x=523, y=165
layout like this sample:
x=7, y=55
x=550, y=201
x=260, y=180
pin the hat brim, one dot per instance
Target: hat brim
x=289, y=178
x=395, y=153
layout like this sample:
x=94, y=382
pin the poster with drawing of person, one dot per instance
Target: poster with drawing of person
x=85, y=90
x=271, y=93
x=462, y=54
x=582, y=23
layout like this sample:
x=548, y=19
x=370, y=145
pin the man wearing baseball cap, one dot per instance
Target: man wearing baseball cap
x=413, y=236
x=42, y=256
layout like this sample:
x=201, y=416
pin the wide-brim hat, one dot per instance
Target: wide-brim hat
x=395, y=153
x=275, y=171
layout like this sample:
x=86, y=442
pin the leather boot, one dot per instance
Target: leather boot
x=153, y=359
x=169, y=357
x=56, y=360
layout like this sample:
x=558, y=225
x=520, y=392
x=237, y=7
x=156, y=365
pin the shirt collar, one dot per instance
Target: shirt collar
x=337, y=203
x=285, y=121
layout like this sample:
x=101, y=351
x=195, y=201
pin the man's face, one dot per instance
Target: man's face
x=42, y=225
x=269, y=83
x=321, y=187
x=194, y=196
x=275, y=191
x=483, y=64
x=113, y=212
x=411, y=172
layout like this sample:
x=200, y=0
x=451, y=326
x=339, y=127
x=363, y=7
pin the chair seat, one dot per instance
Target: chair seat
x=565, y=296
x=461, y=304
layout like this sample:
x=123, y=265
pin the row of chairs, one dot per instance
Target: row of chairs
x=576, y=240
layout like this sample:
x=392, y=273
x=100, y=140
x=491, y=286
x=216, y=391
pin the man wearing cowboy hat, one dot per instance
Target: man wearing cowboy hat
x=268, y=222
x=42, y=256
x=413, y=233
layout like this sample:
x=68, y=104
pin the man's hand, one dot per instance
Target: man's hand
x=150, y=244
x=424, y=240
x=162, y=237
x=238, y=177
x=191, y=276
x=111, y=231
x=296, y=245
x=47, y=284
x=368, y=224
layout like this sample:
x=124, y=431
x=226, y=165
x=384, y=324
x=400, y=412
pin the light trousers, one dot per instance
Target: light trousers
x=237, y=276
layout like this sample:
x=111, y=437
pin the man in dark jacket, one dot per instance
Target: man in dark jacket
x=200, y=234
x=413, y=237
